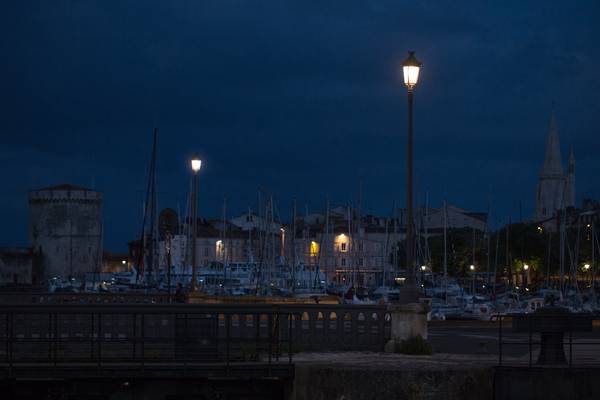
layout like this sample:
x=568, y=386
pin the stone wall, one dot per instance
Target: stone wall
x=66, y=228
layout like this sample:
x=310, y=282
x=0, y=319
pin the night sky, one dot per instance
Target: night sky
x=300, y=98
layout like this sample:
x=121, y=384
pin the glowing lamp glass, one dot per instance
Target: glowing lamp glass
x=196, y=164
x=411, y=68
x=411, y=75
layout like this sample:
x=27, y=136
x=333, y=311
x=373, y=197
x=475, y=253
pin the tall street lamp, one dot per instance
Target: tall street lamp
x=409, y=293
x=196, y=164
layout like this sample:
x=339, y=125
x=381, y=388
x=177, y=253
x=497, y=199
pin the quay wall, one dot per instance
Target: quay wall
x=333, y=383
x=323, y=382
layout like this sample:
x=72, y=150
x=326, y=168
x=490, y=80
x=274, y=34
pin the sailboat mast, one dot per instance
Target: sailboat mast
x=294, y=253
x=445, y=252
x=593, y=259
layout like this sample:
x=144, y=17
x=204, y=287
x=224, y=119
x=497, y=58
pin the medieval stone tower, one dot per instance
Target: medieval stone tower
x=66, y=228
x=555, y=190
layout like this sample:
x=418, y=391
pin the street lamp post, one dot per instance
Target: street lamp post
x=526, y=275
x=472, y=269
x=196, y=164
x=410, y=68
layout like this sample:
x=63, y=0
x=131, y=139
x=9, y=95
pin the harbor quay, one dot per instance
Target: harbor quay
x=298, y=200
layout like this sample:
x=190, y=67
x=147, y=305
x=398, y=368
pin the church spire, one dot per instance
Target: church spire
x=571, y=161
x=552, y=159
x=570, y=189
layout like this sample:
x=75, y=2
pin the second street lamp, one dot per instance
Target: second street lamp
x=410, y=69
x=196, y=163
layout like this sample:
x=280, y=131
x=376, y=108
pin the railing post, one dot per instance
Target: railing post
x=290, y=335
x=50, y=333
x=10, y=339
x=257, y=335
x=143, y=337
x=134, y=336
x=55, y=337
x=530, y=337
x=500, y=318
x=99, y=339
x=92, y=331
x=270, y=327
x=570, y=345
x=7, y=333
x=185, y=341
x=227, y=339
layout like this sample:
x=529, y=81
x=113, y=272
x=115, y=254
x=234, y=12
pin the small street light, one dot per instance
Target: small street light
x=410, y=68
x=586, y=267
x=196, y=163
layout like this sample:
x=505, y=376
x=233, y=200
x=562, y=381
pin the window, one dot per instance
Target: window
x=343, y=262
x=360, y=262
x=343, y=247
x=206, y=252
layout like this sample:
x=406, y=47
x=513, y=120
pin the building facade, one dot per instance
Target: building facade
x=18, y=266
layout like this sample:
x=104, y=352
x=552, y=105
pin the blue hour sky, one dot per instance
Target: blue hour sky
x=300, y=98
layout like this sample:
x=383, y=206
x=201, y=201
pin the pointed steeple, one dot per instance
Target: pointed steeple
x=552, y=159
x=571, y=161
x=570, y=183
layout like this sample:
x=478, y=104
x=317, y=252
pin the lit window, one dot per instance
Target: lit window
x=343, y=247
x=314, y=249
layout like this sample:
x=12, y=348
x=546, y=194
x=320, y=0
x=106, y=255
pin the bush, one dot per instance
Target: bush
x=415, y=345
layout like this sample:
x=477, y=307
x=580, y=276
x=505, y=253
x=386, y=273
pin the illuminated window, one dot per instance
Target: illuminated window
x=218, y=249
x=314, y=249
x=343, y=247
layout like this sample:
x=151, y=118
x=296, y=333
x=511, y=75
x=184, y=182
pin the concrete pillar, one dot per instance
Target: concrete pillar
x=408, y=320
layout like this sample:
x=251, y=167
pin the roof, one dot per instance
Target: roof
x=67, y=186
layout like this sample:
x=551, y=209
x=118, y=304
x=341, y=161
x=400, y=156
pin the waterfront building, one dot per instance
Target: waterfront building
x=18, y=266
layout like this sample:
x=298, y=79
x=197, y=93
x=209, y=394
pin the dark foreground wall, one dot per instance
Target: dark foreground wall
x=481, y=383
x=139, y=389
x=547, y=383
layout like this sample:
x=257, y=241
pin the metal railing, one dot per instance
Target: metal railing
x=522, y=349
x=216, y=338
x=84, y=298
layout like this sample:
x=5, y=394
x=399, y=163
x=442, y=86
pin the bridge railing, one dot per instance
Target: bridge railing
x=185, y=335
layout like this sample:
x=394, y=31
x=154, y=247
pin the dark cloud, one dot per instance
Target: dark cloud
x=302, y=98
